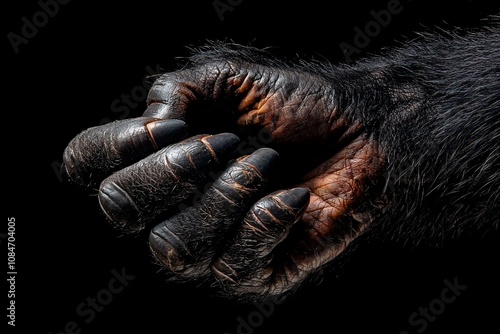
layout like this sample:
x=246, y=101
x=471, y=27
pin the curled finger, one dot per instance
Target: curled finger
x=186, y=243
x=98, y=151
x=248, y=265
x=136, y=195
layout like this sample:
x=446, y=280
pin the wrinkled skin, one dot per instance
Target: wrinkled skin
x=390, y=146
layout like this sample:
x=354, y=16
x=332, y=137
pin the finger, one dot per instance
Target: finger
x=136, y=195
x=186, y=243
x=98, y=151
x=250, y=251
x=230, y=84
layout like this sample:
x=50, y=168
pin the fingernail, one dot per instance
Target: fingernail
x=296, y=197
x=264, y=160
x=222, y=145
x=168, y=248
x=288, y=205
x=167, y=131
x=117, y=204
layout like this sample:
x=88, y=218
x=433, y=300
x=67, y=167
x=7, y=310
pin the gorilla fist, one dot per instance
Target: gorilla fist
x=402, y=145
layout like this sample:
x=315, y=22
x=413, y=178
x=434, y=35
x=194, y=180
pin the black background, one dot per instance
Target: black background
x=64, y=80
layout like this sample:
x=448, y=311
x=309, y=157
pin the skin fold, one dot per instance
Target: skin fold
x=400, y=145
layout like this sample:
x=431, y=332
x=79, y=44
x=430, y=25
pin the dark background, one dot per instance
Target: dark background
x=64, y=80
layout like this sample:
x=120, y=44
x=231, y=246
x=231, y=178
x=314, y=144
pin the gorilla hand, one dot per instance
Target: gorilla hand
x=340, y=132
x=235, y=232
